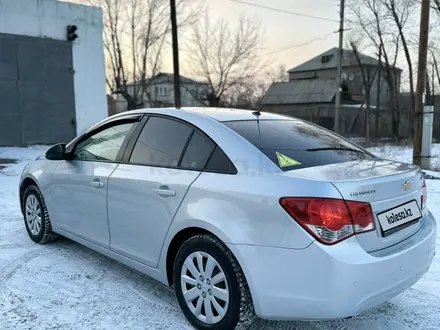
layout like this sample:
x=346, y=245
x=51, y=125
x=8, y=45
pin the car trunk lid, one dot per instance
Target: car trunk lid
x=393, y=189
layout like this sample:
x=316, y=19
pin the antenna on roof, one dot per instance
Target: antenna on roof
x=257, y=113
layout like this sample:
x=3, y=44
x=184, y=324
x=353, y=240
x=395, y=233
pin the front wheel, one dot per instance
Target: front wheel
x=36, y=217
x=210, y=285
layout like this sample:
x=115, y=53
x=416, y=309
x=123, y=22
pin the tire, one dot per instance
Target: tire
x=42, y=233
x=238, y=309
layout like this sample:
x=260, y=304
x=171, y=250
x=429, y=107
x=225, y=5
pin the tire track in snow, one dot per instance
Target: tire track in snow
x=11, y=268
x=11, y=246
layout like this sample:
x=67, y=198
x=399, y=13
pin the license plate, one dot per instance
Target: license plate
x=399, y=215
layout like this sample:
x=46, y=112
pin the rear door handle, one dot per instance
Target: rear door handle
x=96, y=183
x=165, y=191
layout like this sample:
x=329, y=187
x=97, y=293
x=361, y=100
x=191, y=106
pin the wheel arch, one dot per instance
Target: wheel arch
x=176, y=243
x=25, y=183
x=180, y=238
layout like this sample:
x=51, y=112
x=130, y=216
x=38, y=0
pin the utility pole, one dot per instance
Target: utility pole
x=421, y=83
x=339, y=70
x=177, y=101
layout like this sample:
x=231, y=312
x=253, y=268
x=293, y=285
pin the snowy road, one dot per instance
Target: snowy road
x=66, y=286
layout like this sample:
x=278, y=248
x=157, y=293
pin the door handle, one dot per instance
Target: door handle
x=165, y=191
x=96, y=183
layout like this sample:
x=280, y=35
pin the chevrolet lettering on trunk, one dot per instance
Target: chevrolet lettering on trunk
x=362, y=193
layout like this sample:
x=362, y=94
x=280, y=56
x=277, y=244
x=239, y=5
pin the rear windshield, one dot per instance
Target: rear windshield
x=294, y=144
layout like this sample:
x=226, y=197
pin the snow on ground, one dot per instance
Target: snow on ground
x=66, y=286
x=404, y=153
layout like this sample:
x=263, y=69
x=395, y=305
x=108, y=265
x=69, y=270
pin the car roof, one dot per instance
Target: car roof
x=245, y=156
x=218, y=114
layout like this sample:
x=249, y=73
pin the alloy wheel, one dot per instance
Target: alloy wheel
x=33, y=215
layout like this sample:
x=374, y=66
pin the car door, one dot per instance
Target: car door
x=145, y=192
x=78, y=196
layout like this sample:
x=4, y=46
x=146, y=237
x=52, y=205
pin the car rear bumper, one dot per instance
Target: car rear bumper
x=329, y=282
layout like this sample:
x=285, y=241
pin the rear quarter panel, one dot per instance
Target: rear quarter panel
x=245, y=209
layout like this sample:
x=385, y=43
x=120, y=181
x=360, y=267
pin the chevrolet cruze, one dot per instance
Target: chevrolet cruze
x=244, y=213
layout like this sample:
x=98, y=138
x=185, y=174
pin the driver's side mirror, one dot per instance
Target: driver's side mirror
x=56, y=152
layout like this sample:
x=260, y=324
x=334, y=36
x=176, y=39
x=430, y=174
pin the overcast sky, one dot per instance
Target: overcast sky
x=284, y=30
x=280, y=30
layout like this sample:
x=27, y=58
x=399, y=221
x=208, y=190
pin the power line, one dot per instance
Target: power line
x=324, y=37
x=285, y=11
x=299, y=45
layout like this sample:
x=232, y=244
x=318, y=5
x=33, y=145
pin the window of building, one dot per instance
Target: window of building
x=326, y=58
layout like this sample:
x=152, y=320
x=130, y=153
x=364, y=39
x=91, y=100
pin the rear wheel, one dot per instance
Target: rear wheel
x=210, y=285
x=36, y=218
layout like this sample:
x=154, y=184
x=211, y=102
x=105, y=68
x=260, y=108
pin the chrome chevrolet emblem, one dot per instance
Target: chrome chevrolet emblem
x=407, y=185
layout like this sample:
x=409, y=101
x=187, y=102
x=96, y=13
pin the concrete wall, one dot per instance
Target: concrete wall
x=48, y=19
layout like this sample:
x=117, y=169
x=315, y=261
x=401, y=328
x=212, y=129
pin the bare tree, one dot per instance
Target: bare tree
x=135, y=33
x=400, y=12
x=225, y=57
x=368, y=78
x=250, y=93
x=434, y=39
x=371, y=20
x=436, y=72
x=280, y=74
x=435, y=5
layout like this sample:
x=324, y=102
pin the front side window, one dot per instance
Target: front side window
x=103, y=146
x=295, y=144
x=161, y=143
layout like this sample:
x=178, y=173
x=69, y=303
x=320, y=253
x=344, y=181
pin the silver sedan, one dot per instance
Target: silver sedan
x=245, y=213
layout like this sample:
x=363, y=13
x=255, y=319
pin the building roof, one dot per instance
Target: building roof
x=329, y=60
x=163, y=77
x=301, y=92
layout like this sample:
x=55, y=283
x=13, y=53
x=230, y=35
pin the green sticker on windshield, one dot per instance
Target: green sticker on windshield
x=285, y=161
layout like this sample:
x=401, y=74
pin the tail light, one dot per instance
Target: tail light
x=330, y=220
x=424, y=195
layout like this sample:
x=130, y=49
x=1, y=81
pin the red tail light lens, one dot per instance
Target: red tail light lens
x=424, y=195
x=330, y=220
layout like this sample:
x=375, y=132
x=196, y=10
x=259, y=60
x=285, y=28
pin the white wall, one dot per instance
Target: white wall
x=49, y=19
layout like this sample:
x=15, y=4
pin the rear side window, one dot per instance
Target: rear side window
x=197, y=152
x=294, y=144
x=160, y=143
x=220, y=163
